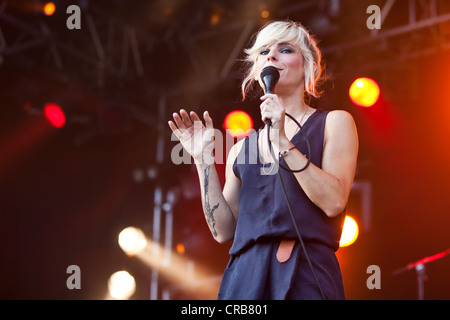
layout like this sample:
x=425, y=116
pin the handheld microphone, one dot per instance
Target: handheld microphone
x=270, y=76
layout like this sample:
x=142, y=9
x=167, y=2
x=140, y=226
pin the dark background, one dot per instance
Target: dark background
x=65, y=194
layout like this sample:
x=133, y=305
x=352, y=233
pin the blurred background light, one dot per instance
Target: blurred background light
x=180, y=248
x=49, y=8
x=54, y=115
x=132, y=240
x=121, y=285
x=364, y=92
x=238, y=124
x=350, y=232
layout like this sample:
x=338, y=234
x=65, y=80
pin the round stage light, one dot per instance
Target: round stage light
x=132, y=240
x=49, y=8
x=364, y=92
x=350, y=232
x=55, y=115
x=238, y=124
x=121, y=285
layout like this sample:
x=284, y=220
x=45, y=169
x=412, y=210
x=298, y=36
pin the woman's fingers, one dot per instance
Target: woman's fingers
x=180, y=124
x=271, y=108
x=266, y=116
x=186, y=119
x=194, y=117
x=208, y=120
x=173, y=126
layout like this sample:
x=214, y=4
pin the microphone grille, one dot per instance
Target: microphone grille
x=270, y=70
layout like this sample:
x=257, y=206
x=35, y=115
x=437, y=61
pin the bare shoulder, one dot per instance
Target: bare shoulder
x=339, y=117
x=340, y=126
x=339, y=121
x=234, y=151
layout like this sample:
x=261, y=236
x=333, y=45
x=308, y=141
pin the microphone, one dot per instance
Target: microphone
x=270, y=76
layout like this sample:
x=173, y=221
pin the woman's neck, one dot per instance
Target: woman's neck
x=294, y=104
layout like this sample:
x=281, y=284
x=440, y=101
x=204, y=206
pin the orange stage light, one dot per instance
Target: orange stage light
x=49, y=8
x=180, y=248
x=364, y=92
x=350, y=232
x=238, y=124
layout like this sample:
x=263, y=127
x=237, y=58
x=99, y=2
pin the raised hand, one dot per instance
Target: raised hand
x=196, y=138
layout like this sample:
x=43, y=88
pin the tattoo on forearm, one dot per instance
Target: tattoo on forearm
x=209, y=213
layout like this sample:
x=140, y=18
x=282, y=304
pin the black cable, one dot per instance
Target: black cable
x=287, y=199
x=307, y=144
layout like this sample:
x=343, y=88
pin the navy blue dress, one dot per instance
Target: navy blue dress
x=253, y=272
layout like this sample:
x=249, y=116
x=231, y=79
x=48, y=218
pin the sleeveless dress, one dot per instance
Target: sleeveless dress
x=253, y=271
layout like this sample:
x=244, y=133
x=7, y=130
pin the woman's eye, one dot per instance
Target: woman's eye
x=287, y=50
x=264, y=52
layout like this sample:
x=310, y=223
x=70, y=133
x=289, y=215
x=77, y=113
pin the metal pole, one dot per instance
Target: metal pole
x=158, y=199
x=421, y=274
x=156, y=238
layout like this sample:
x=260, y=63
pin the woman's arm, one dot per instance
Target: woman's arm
x=220, y=208
x=329, y=187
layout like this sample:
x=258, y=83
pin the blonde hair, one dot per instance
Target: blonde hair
x=286, y=31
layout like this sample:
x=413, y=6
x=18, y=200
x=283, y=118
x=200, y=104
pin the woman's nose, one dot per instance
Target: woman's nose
x=271, y=56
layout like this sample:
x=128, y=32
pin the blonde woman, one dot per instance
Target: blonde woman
x=268, y=260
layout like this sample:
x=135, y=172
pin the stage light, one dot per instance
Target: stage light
x=217, y=15
x=180, y=248
x=121, y=285
x=350, y=232
x=364, y=92
x=49, y=8
x=132, y=240
x=238, y=124
x=55, y=115
x=178, y=268
x=214, y=20
x=265, y=14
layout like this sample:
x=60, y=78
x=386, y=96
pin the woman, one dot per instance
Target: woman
x=267, y=259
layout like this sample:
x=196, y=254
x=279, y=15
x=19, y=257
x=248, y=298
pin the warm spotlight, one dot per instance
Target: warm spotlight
x=49, y=8
x=55, y=115
x=350, y=232
x=238, y=124
x=132, y=240
x=364, y=92
x=217, y=15
x=214, y=19
x=121, y=285
x=265, y=14
x=177, y=268
x=180, y=248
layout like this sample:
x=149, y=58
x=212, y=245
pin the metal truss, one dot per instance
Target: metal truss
x=110, y=46
x=425, y=18
x=31, y=34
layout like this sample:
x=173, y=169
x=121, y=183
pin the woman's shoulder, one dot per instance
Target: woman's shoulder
x=339, y=117
x=340, y=125
x=235, y=150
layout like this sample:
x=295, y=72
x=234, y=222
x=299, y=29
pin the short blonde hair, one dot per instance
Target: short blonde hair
x=286, y=31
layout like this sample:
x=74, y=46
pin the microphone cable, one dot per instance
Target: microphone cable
x=300, y=238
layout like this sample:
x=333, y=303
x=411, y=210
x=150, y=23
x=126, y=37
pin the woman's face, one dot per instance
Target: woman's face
x=288, y=59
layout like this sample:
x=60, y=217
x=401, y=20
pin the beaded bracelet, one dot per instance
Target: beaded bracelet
x=285, y=152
